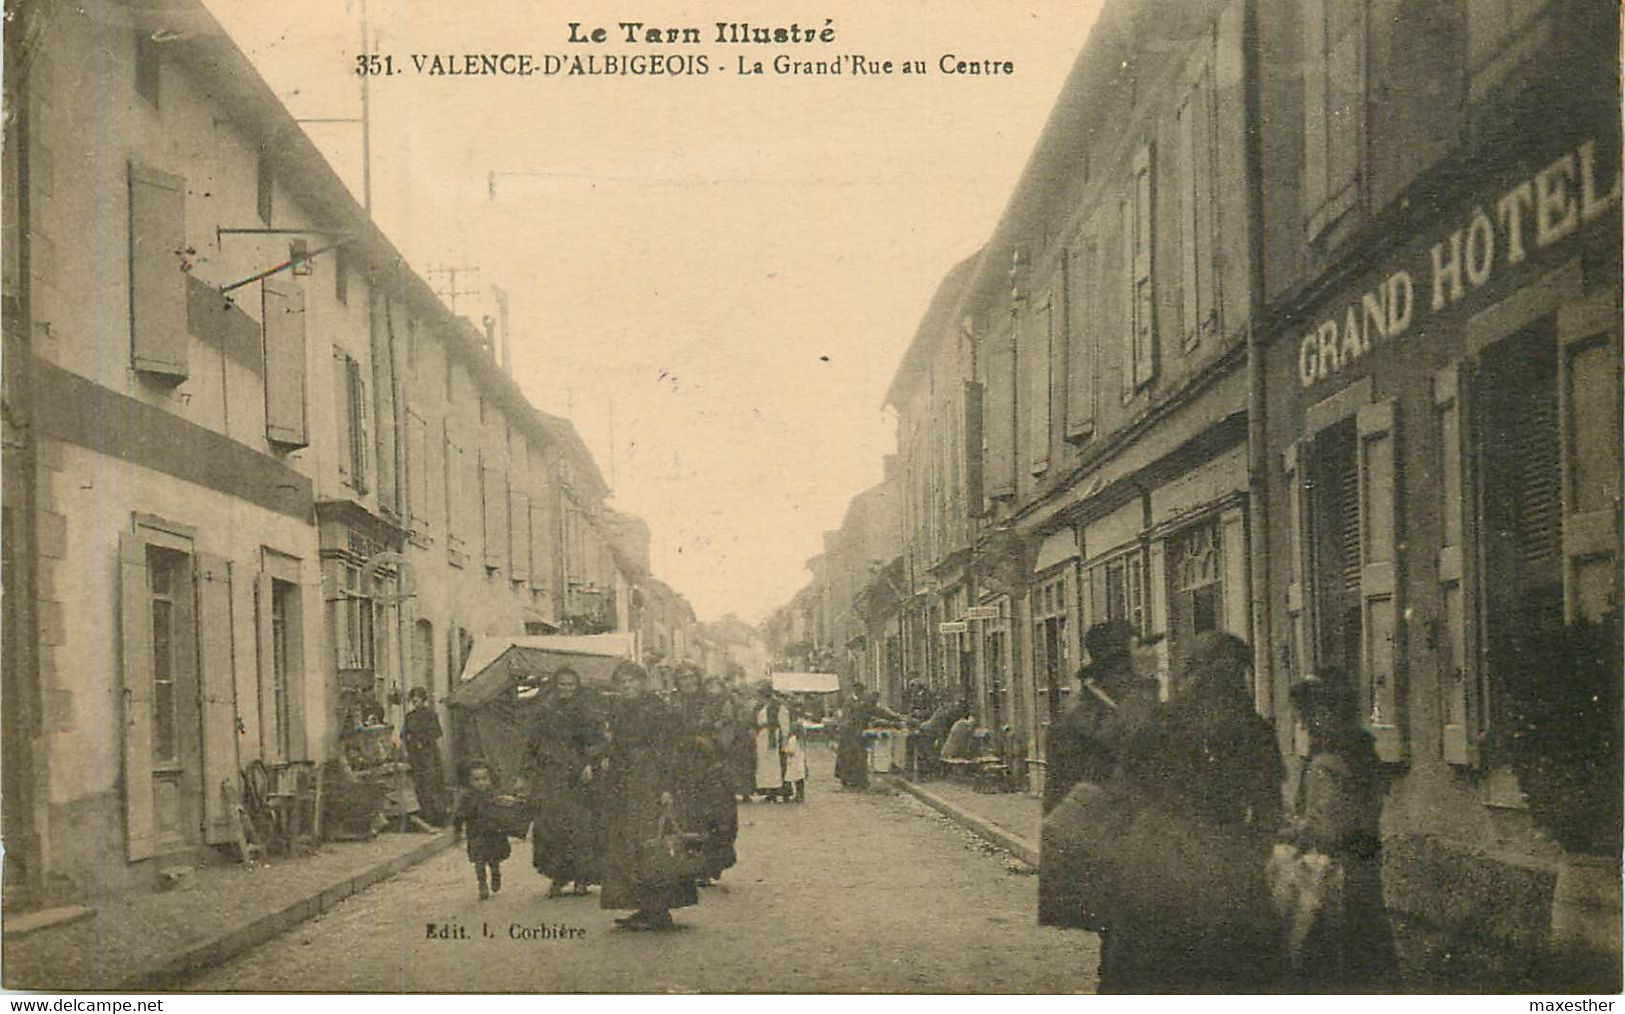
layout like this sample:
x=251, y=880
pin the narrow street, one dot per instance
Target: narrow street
x=851, y=892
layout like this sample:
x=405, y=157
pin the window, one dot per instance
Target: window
x=158, y=266
x=1345, y=594
x=1052, y=611
x=1197, y=300
x=264, y=184
x=1334, y=108
x=353, y=620
x=174, y=756
x=1500, y=35
x=1118, y=590
x=350, y=411
x=1195, y=584
x=147, y=62
x=283, y=322
x=1139, y=334
x=494, y=514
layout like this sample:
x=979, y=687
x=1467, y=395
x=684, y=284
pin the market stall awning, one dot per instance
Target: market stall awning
x=806, y=682
x=493, y=661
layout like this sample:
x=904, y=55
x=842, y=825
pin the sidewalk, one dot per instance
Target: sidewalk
x=150, y=940
x=1008, y=819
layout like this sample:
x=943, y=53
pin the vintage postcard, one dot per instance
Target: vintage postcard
x=720, y=496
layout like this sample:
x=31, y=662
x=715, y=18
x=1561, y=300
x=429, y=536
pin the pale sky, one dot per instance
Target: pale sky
x=714, y=277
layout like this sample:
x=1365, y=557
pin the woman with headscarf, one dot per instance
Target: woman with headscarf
x=705, y=800
x=1191, y=911
x=639, y=795
x=1338, y=936
x=564, y=747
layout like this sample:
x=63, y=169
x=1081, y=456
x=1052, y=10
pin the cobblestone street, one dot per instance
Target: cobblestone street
x=869, y=892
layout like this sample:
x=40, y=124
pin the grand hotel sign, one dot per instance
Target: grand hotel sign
x=1539, y=213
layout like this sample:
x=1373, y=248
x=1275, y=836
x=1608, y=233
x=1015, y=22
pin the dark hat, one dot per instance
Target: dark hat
x=1109, y=639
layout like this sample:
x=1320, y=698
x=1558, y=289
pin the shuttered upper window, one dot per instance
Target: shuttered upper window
x=350, y=411
x=1139, y=349
x=1334, y=107
x=1074, y=323
x=1198, y=300
x=158, y=265
x=283, y=324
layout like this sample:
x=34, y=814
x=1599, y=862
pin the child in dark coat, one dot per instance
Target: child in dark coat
x=477, y=817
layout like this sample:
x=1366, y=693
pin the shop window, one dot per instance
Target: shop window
x=353, y=624
x=1334, y=46
x=995, y=647
x=1118, y=589
x=158, y=279
x=1052, y=623
x=1195, y=583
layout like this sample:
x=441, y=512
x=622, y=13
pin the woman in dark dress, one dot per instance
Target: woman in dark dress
x=1192, y=911
x=641, y=786
x=1345, y=943
x=851, y=756
x=705, y=799
x=420, y=735
x=564, y=747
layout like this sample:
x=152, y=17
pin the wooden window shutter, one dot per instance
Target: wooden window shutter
x=135, y=624
x=1345, y=94
x=1382, y=654
x=417, y=472
x=494, y=502
x=158, y=335
x=1300, y=616
x=1127, y=221
x=218, y=682
x=1000, y=417
x=1079, y=377
x=361, y=446
x=1588, y=340
x=1207, y=211
x=519, y=535
x=1039, y=377
x=1457, y=636
x=974, y=491
x=1145, y=302
x=1190, y=246
x=283, y=316
x=342, y=413
x=1313, y=46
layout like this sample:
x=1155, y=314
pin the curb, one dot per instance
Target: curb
x=1015, y=844
x=236, y=941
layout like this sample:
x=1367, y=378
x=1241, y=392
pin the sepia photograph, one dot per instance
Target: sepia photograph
x=943, y=497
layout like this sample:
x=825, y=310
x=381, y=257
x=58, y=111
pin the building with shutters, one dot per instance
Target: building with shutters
x=1106, y=321
x=1441, y=368
x=256, y=474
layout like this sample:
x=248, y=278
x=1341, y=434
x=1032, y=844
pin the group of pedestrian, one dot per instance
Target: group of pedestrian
x=771, y=759
x=631, y=791
x=1165, y=829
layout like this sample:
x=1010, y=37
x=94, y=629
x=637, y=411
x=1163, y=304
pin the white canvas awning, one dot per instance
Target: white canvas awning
x=806, y=682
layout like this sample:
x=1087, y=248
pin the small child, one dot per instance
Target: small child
x=487, y=841
x=795, y=764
